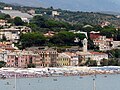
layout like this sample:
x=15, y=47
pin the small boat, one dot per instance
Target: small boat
x=7, y=83
x=54, y=79
x=105, y=76
x=81, y=77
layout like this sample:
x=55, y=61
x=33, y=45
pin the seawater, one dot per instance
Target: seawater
x=103, y=82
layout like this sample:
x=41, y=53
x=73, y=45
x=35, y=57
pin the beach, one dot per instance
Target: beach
x=8, y=73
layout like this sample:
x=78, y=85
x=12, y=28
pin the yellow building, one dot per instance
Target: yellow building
x=63, y=59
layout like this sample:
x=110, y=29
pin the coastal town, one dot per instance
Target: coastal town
x=44, y=56
x=59, y=44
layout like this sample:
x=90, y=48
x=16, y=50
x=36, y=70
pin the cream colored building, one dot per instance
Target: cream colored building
x=116, y=44
x=11, y=34
x=55, y=13
x=7, y=8
x=3, y=22
x=92, y=56
x=103, y=43
x=74, y=60
x=3, y=55
x=23, y=29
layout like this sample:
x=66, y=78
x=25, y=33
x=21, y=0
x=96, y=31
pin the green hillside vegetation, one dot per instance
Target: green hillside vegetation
x=92, y=18
x=88, y=18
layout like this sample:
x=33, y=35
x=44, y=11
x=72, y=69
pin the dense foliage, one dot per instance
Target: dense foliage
x=32, y=39
x=2, y=64
x=18, y=21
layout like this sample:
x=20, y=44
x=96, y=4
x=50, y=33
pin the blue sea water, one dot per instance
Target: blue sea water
x=103, y=82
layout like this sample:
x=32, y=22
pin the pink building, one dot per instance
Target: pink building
x=41, y=58
x=21, y=58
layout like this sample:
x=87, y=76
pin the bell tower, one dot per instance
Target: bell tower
x=85, y=45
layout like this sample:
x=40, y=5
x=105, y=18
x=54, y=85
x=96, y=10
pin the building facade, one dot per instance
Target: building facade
x=11, y=34
x=63, y=59
x=21, y=58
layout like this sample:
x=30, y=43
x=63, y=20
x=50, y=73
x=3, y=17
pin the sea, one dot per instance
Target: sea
x=97, y=82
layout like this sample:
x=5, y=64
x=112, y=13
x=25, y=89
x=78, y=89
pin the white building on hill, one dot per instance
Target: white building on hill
x=55, y=13
x=13, y=33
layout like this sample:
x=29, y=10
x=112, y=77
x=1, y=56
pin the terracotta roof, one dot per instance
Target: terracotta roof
x=70, y=54
x=96, y=53
x=9, y=48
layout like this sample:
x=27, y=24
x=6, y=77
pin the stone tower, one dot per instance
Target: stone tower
x=85, y=45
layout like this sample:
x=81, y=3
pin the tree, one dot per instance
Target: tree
x=104, y=62
x=31, y=65
x=56, y=24
x=63, y=38
x=90, y=44
x=39, y=21
x=3, y=38
x=34, y=27
x=112, y=62
x=108, y=32
x=87, y=29
x=90, y=62
x=7, y=16
x=32, y=39
x=80, y=36
x=18, y=21
x=2, y=64
x=93, y=63
x=117, y=35
x=115, y=53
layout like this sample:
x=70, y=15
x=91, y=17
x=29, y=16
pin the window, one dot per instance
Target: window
x=13, y=32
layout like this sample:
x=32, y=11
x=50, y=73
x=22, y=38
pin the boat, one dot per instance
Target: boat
x=7, y=83
x=81, y=77
x=54, y=79
x=105, y=76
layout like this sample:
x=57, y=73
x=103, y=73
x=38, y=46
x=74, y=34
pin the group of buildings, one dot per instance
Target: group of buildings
x=13, y=33
x=46, y=57
x=103, y=42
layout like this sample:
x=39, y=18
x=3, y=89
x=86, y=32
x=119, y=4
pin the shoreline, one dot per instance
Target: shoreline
x=81, y=76
x=9, y=73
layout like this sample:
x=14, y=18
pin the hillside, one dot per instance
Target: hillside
x=73, y=17
x=89, y=17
